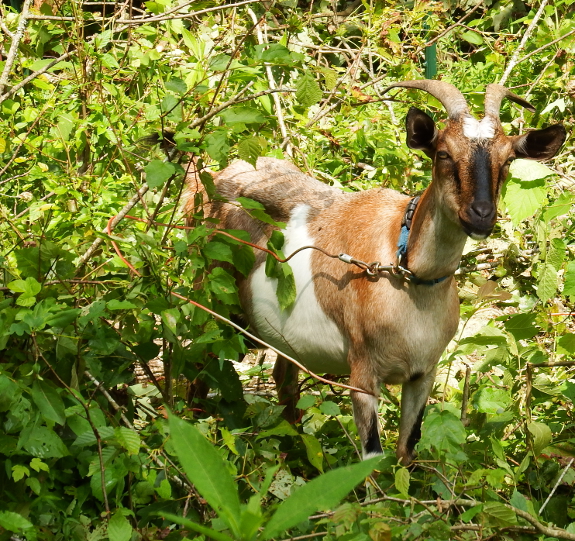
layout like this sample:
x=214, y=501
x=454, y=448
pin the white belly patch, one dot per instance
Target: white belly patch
x=303, y=331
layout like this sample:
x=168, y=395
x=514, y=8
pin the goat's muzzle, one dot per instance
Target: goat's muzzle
x=479, y=220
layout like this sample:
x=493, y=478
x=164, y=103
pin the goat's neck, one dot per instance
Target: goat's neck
x=435, y=242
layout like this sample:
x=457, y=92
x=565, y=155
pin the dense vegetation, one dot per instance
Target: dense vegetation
x=88, y=453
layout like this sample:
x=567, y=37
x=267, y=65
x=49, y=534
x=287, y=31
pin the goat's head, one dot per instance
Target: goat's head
x=471, y=157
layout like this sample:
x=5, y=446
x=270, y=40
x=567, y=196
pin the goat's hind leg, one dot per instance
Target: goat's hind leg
x=286, y=377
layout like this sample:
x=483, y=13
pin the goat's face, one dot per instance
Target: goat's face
x=471, y=161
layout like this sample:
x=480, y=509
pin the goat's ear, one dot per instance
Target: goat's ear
x=421, y=131
x=540, y=144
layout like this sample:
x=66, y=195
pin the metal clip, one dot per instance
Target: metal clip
x=373, y=268
x=345, y=258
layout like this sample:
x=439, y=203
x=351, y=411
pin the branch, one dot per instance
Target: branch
x=13, y=52
x=32, y=76
x=514, y=59
x=117, y=219
x=236, y=99
x=538, y=50
x=272, y=84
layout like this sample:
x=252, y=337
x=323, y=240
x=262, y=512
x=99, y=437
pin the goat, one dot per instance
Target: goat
x=378, y=327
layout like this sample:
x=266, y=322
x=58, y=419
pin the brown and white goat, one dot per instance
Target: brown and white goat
x=383, y=328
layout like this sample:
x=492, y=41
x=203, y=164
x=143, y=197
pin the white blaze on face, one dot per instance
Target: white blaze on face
x=303, y=330
x=479, y=129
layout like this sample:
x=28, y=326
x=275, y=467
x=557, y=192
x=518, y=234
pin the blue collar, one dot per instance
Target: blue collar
x=402, y=246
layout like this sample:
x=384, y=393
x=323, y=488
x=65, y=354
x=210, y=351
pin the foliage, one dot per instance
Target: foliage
x=86, y=451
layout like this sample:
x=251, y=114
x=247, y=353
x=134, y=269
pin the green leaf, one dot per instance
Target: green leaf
x=306, y=401
x=177, y=85
x=286, y=290
x=186, y=523
x=569, y=289
x=529, y=170
x=329, y=408
x=157, y=172
x=566, y=344
x=402, y=478
x=63, y=318
x=250, y=150
x=498, y=514
x=560, y=207
x=116, y=304
x=547, y=284
x=556, y=253
x=223, y=285
x=30, y=287
x=49, y=402
x=242, y=115
x=249, y=204
x=443, y=434
x=308, y=91
x=206, y=469
x=217, y=145
x=523, y=199
x=488, y=399
x=522, y=326
x=15, y=522
x=128, y=439
x=541, y=434
x=313, y=451
x=42, y=442
x=219, y=251
x=472, y=37
x=324, y=492
x=119, y=529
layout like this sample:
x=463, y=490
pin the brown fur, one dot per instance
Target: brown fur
x=395, y=331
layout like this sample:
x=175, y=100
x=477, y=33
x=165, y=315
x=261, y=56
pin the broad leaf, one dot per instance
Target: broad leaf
x=119, y=529
x=207, y=471
x=324, y=492
x=49, y=402
x=569, y=289
x=250, y=150
x=541, y=434
x=308, y=91
x=529, y=170
x=523, y=199
x=547, y=284
x=157, y=172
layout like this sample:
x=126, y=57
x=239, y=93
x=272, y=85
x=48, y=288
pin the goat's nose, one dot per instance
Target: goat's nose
x=483, y=209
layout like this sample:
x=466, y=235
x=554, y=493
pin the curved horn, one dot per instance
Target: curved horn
x=449, y=96
x=494, y=95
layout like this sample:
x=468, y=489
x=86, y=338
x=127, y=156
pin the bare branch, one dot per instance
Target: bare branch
x=515, y=58
x=33, y=76
x=13, y=52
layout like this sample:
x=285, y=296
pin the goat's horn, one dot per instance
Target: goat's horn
x=449, y=96
x=494, y=95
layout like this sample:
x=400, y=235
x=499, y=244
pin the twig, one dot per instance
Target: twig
x=236, y=99
x=465, y=399
x=515, y=58
x=450, y=28
x=265, y=344
x=556, y=485
x=6, y=30
x=117, y=219
x=538, y=50
x=13, y=52
x=32, y=76
x=272, y=84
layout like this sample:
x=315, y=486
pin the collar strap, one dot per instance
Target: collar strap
x=402, y=246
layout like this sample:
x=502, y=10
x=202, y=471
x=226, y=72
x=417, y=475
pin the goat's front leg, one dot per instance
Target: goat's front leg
x=365, y=411
x=414, y=397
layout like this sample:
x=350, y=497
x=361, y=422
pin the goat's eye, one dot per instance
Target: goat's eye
x=442, y=155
